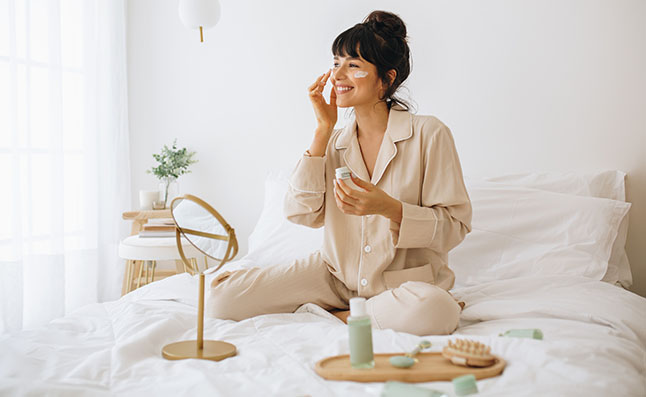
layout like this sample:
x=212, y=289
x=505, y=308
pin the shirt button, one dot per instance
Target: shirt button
x=364, y=282
x=367, y=248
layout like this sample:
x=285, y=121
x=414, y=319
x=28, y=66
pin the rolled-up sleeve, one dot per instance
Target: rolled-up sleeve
x=304, y=202
x=444, y=218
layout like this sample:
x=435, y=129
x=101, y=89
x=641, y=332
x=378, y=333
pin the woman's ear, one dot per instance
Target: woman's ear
x=392, y=74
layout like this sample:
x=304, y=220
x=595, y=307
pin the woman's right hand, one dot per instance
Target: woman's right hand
x=326, y=114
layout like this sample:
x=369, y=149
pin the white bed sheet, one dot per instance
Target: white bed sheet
x=594, y=345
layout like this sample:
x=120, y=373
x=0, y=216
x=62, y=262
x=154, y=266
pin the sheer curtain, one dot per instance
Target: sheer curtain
x=64, y=156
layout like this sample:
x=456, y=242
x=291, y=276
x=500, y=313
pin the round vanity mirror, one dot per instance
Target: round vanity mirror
x=207, y=231
x=204, y=228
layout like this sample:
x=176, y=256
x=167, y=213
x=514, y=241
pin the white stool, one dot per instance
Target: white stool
x=141, y=253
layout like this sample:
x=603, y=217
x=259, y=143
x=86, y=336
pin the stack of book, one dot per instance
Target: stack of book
x=160, y=227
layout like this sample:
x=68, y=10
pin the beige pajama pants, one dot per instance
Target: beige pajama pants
x=414, y=307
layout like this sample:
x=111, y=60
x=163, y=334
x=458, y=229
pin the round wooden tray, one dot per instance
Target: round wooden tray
x=431, y=367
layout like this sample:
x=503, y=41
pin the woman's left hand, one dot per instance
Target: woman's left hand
x=368, y=202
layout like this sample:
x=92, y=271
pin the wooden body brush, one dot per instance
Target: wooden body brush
x=469, y=353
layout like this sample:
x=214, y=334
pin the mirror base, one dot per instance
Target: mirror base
x=213, y=350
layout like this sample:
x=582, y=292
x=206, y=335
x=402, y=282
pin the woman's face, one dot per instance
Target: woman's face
x=355, y=81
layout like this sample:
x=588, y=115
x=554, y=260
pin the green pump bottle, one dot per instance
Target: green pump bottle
x=360, y=331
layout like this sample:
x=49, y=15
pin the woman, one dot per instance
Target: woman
x=388, y=238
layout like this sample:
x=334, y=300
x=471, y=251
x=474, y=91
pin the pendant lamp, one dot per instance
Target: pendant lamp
x=201, y=14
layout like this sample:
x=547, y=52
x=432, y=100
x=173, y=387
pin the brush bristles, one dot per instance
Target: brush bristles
x=470, y=347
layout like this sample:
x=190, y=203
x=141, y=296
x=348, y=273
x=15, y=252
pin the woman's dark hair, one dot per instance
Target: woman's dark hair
x=381, y=40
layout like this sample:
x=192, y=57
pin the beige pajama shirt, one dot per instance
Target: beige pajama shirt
x=401, y=268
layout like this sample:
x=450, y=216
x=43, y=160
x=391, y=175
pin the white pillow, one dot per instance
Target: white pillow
x=605, y=184
x=519, y=231
x=275, y=240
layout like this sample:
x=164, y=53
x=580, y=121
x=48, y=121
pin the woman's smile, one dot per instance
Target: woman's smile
x=343, y=89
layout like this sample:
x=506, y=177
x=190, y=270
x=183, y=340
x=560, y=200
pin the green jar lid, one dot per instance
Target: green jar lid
x=465, y=385
x=533, y=333
x=401, y=389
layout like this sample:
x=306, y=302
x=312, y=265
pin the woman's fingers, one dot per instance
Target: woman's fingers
x=316, y=89
x=367, y=186
x=333, y=94
x=316, y=84
x=345, y=195
x=344, y=207
x=321, y=84
x=326, y=113
x=347, y=189
x=325, y=77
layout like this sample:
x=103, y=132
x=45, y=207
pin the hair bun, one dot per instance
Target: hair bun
x=386, y=23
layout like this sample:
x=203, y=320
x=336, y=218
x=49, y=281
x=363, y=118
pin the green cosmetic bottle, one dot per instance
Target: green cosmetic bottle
x=360, y=330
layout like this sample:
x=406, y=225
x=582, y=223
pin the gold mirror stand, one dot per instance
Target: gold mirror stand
x=202, y=349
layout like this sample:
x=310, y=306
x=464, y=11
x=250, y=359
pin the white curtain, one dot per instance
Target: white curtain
x=64, y=156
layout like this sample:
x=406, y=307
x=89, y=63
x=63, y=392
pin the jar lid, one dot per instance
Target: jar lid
x=465, y=385
x=533, y=333
x=400, y=389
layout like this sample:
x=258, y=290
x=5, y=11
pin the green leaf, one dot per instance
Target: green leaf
x=173, y=162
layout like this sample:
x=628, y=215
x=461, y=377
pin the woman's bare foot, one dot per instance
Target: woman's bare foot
x=342, y=315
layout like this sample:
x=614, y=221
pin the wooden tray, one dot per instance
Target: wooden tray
x=431, y=367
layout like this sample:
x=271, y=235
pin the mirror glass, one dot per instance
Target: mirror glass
x=200, y=227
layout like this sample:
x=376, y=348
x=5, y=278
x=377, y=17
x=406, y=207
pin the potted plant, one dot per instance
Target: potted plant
x=173, y=163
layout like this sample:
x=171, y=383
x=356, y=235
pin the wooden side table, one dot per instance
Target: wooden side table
x=134, y=267
x=139, y=218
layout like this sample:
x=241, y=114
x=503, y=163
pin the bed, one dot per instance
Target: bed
x=546, y=251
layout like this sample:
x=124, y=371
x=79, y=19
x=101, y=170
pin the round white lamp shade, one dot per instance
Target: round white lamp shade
x=197, y=14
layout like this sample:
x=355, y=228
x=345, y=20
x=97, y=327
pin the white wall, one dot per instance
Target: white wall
x=523, y=85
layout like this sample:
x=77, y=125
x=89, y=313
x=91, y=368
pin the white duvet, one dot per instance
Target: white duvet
x=594, y=345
